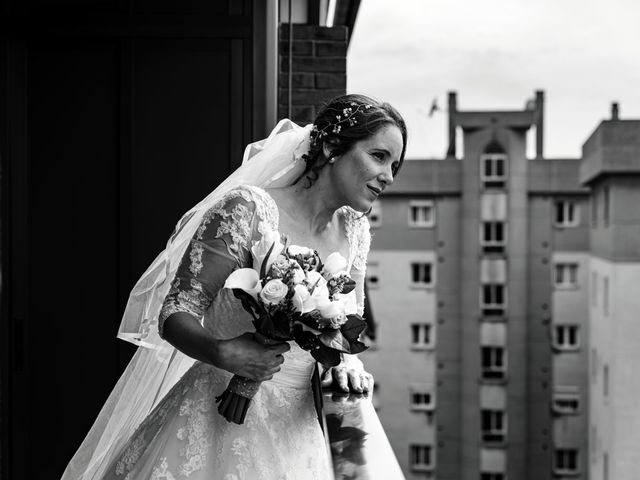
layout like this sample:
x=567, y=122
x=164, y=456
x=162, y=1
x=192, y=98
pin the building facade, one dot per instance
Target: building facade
x=481, y=277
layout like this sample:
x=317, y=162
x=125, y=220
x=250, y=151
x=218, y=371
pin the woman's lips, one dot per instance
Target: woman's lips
x=376, y=191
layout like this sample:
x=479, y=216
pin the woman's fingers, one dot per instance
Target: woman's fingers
x=355, y=380
x=367, y=382
x=351, y=380
x=341, y=378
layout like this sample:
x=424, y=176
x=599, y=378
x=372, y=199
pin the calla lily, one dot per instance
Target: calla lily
x=246, y=279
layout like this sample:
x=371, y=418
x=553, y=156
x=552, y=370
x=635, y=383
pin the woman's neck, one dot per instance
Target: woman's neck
x=310, y=207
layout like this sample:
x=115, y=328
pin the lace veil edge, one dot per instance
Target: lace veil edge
x=156, y=366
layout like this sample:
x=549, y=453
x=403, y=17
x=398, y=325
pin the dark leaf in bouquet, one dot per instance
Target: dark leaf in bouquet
x=281, y=326
x=319, y=264
x=334, y=339
x=357, y=346
x=348, y=286
x=310, y=319
x=306, y=340
x=326, y=356
x=263, y=267
x=264, y=325
x=353, y=327
x=249, y=303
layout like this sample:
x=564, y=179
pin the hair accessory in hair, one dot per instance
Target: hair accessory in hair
x=346, y=118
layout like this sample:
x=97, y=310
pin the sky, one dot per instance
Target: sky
x=584, y=54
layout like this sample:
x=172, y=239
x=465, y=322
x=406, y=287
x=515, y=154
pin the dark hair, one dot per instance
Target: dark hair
x=344, y=121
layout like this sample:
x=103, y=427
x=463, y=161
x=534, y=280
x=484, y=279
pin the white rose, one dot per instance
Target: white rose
x=300, y=300
x=294, y=250
x=333, y=313
x=260, y=249
x=334, y=265
x=274, y=292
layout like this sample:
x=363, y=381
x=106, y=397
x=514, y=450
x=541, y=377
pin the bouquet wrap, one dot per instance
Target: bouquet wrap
x=234, y=402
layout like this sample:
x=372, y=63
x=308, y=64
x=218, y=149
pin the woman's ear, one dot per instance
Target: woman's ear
x=327, y=150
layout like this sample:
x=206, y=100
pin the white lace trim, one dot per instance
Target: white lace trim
x=357, y=232
x=197, y=432
x=162, y=472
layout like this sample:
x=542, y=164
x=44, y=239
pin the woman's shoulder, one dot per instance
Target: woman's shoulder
x=255, y=199
x=354, y=221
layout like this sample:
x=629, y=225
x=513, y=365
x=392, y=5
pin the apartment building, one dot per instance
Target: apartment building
x=481, y=277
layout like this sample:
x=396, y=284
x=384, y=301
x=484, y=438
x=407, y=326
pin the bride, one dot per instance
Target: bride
x=313, y=185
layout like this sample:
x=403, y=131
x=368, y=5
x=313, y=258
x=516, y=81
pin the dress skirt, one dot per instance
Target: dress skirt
x=185, y=436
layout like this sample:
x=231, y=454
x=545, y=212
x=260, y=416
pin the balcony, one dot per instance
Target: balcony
x=359, y=447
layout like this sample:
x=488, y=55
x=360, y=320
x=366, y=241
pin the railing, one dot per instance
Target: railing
x=359, y=447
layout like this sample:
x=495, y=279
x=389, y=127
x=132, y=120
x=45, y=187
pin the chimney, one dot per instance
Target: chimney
x=452, y=109
x=615, y=111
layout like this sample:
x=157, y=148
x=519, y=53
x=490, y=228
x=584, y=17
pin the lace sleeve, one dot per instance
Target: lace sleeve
x=360, y=239
x=220, y=245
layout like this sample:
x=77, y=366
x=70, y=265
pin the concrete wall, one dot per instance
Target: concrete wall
x=393, y=361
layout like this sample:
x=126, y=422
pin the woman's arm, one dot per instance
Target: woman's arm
x=219, y=246
x=241, y=355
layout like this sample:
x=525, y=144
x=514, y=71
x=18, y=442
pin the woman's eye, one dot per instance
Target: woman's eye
x=379, y=155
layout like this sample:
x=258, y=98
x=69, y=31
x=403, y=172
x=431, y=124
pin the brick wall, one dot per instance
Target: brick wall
x=319, y=69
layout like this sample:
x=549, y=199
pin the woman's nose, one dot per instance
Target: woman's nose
x=386, y=176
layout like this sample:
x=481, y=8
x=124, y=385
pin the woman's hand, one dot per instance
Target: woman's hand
x=349, y=377
x=246, y=357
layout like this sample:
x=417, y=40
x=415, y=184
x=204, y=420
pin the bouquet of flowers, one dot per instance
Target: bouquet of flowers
x=292, y=295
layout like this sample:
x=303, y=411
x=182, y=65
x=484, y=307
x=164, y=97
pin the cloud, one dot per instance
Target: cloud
x=495, y=53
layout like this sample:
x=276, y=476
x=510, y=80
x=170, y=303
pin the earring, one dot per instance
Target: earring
x=332, y=159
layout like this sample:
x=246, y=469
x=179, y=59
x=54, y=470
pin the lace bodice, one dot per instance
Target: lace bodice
x=222, y=243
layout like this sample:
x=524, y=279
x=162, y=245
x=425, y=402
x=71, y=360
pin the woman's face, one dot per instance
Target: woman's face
x=363, y=172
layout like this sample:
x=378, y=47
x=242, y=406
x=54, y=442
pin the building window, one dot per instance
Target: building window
x=594, y=288
x=594, y=209
x=492, y=476
x=566, y=275
x=493, y=298
x=565, y=337
x=567, y=214
x=422, y=401
x=421, y=213
x=373, y=277
x=494, y=426
x=605, y=380
x=566, y=461
x=421, y=457
x=566, y=403
x=421, y=274
x=493, y=170
x=493, y=236
x=494, y=363
x=422, y=335
x=375, y=215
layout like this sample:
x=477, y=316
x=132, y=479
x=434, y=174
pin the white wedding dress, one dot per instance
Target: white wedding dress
x=184, y=436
